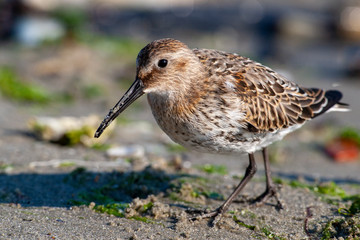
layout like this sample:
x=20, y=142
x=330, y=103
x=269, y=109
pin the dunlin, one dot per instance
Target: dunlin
x=213, y=101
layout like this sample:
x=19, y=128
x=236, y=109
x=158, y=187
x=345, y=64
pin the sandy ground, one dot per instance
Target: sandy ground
x=38, y=201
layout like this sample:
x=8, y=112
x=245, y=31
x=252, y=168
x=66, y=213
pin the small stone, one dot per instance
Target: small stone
x=112, y=223
x=160, y=164
x=130, y=151
x=92, y=205
x=177, y=162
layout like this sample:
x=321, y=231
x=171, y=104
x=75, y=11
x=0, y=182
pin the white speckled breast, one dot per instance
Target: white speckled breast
x=217, y=130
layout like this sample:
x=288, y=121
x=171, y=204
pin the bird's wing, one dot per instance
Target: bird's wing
x=270, y=101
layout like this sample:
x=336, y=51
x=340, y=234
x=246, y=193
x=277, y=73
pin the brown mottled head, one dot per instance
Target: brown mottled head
x=162, y=65
x=155, y=48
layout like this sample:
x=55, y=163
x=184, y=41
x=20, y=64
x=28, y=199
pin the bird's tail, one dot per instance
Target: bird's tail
x=340, y=107
x=333, y=104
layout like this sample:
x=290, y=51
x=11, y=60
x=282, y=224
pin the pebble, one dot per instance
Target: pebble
x=129, y=151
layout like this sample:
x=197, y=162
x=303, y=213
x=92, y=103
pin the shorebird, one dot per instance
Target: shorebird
x=218, y=102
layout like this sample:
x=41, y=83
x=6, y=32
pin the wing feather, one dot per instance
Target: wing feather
x=270, y=101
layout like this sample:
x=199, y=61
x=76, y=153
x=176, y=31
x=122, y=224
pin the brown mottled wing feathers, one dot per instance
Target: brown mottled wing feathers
x=276, y=102
x=272, y=102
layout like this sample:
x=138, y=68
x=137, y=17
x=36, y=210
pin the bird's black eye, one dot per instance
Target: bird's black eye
x=162, y=63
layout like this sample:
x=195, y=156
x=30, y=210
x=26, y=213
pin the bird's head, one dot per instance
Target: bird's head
x=166, y=66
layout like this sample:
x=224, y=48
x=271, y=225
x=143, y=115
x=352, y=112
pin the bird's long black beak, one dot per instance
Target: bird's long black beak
x=133, y=93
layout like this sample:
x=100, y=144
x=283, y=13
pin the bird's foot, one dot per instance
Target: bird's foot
x=215, y=215
x=269, y=192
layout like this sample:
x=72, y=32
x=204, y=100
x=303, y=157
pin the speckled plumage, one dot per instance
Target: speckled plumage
x=212, y=101
x=223, y=102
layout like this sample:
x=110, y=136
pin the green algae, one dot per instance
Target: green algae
x=347, y=228
x=214, y=169
x=351, y=133
x=115, y=209
x=175, y=148
x=12, y=87
x=264, y=230
x=241, y=223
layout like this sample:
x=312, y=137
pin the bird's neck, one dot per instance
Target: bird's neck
x=180, y=102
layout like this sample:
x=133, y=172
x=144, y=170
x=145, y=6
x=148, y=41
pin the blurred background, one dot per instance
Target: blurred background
x=77, y=57
x=66, y=42
x=65, y=63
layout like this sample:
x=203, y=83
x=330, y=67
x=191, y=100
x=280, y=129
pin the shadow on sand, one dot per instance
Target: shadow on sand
x=82, y=187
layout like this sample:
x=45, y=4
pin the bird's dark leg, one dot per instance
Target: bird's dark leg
x=270, y=187
x=250, y=171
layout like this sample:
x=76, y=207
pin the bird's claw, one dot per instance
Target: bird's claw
x=215, y=215
x=271, y=191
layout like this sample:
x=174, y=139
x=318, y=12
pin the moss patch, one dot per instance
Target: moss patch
x=176, y=148
x=353, y=209
x=329, y=191
x=260, y=231
x=352, y=134
x=13, y=88
x=214, y=169
x=116, y=209
x=118, y=193
x=347, y=228
x=241, y=223
x=117, y=187
x=192, y=190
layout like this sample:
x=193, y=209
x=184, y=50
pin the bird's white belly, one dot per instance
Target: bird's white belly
x=247, y=143
x=213, y=131
x=224, y=137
